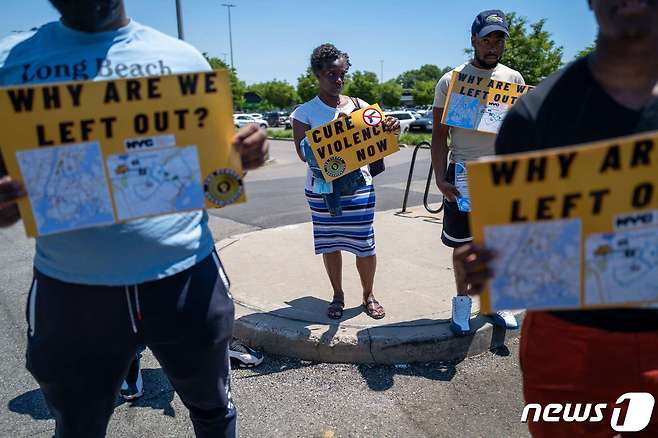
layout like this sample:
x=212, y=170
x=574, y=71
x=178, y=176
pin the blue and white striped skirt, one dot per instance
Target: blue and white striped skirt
x=353, y=231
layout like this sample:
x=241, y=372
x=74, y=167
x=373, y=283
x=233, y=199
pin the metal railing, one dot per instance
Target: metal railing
x=422, y=145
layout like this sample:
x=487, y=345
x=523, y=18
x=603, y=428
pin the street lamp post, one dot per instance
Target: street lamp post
x=179, y=19
x=228, y=7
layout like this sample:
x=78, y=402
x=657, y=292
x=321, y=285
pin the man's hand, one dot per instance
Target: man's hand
x=448, y=190
x=10, y=192
x=251, y=143
x=473, y=267
x=391, y=124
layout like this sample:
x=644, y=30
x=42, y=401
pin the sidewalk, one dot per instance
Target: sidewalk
x=282, y=292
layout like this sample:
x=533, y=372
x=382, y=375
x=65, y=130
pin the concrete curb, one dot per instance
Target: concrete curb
x=394, y=344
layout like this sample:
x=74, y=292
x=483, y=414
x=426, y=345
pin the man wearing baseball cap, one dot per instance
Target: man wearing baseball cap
x=489, y=33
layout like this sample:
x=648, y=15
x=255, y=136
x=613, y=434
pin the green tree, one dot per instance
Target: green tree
x=307, y=86
x=364, y=85
x=427, y=72
x=275, y=94
x=391, y=93
x=238, y=87
x=423, y=92
x=530, y=49
x=586, y=51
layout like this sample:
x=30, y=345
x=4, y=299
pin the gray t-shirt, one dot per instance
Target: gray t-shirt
x=466, y=144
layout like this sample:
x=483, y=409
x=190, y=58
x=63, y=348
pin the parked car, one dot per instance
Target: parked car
x=256, y=115
x=241, y=120
x=276, y=118
x=424, y=110
x=424, y=124
x=405, y=118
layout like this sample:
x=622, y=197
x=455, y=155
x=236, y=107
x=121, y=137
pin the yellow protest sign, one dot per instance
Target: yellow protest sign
x=98, y=153
x=574, y=227
x=349, y=143
x=480, y=103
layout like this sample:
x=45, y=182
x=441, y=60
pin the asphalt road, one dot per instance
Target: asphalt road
x=479, y=397
x=275, y=193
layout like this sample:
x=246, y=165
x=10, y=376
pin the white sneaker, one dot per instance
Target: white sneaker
x=245, y=357
x=506, y=320
x=461, y=314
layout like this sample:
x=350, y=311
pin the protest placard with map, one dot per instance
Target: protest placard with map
x=480, y=103
x=574, y=227
x=95, y=153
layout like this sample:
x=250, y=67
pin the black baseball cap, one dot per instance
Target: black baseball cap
x=490, y=21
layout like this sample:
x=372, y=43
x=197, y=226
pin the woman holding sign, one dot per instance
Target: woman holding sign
x=346, y=224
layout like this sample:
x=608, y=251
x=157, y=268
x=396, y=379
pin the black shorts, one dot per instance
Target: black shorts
x=456, y=229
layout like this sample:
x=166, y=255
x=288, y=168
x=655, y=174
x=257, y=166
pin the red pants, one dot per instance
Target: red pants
x=568, y=363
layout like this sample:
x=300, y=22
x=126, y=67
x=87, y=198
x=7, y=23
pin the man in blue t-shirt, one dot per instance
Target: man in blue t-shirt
x=99, y=293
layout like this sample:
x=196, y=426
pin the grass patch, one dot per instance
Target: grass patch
x=408, y=138
x=413, y=138
x=280, y=134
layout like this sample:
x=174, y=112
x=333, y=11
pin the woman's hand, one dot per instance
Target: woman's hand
x=391, y=124
x=473, y=266
x=10, y=192
x=251, y=143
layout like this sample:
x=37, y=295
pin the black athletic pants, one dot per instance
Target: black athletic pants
x=82, y=339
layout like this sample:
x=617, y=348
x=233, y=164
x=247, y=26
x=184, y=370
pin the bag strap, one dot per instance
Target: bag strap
x=355, y=101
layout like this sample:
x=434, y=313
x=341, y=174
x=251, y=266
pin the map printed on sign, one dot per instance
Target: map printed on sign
x=156, y=182
x=463, y=111
x=573, y=228
x=67, y=187
x=94, y=153
x=479, y=103
x=538, y=264
x=620, y=262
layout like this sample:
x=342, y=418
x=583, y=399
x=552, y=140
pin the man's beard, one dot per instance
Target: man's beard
x=487, y=65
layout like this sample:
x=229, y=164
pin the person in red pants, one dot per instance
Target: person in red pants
x=591, y=356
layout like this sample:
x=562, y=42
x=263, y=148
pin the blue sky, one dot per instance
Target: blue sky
x=273, y=39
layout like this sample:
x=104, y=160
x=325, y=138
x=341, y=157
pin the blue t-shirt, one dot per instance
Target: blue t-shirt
x=136, y=251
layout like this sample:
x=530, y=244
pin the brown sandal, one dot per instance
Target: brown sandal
x=376, y=311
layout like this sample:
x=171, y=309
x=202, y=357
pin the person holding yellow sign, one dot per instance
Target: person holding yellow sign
x=589, y=357
x=99, y=293
x=346, y=225
x=488, y=35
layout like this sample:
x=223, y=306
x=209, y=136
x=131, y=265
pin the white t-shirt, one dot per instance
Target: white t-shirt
x=467, y=144
x=316, y=113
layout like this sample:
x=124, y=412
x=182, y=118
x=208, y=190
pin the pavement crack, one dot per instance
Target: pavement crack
x=228, y=244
